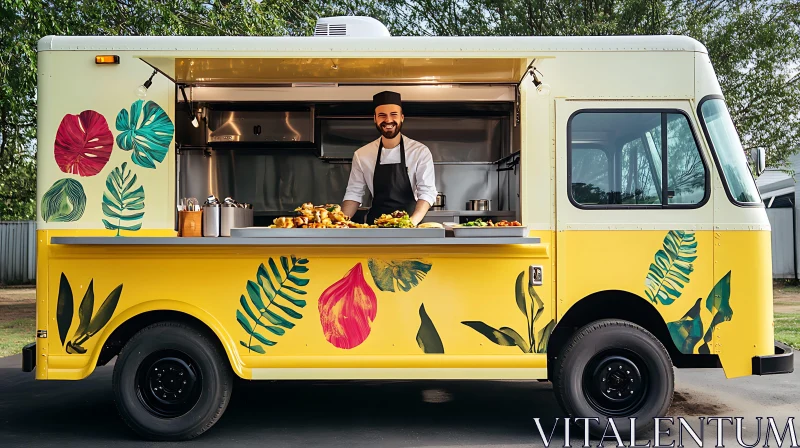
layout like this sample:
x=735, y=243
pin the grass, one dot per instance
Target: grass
x=787, y=329
x=16, y=334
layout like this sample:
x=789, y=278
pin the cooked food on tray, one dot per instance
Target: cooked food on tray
x=481, y=223
x=398, y=218
x=309, y=216
x=430, y=225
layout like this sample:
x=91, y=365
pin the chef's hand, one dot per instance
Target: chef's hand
x=419, y=212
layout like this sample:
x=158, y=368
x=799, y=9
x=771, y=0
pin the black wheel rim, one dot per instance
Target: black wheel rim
x=615, y=382
x=168, y=383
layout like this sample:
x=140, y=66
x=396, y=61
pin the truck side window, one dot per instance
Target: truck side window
x=617, y=158
x=686, y=179
x=590, y=171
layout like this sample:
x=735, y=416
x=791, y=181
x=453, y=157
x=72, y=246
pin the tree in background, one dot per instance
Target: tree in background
x=753, y=44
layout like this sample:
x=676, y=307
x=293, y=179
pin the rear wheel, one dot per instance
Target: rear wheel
x=614, y=369
x=171, y=382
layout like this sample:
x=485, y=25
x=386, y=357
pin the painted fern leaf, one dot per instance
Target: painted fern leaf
x=122, y=201
x=272, y=302
x=671, y=268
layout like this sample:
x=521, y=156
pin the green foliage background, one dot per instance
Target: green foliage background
x=754, y=46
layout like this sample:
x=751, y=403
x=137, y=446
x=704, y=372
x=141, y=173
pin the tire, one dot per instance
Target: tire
x=196, y=381
x=640, y=368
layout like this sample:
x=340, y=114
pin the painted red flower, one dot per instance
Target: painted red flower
x=346, y=310
x=83, y=143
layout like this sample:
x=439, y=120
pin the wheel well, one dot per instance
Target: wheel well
x=125, y=332
x=625, y=306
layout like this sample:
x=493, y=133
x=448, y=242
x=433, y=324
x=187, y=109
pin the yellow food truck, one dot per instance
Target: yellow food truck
x=642, y=242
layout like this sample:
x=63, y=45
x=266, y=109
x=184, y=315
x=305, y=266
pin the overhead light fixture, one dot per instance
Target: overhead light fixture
x=541, y=88
x=192, y=116
x=141, y=91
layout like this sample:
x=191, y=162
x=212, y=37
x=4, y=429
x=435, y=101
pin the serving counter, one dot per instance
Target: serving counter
x=300, y=241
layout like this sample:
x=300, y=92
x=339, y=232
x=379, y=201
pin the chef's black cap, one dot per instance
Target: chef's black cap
x=386, y=97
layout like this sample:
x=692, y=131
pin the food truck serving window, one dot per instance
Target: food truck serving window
x=634, y=159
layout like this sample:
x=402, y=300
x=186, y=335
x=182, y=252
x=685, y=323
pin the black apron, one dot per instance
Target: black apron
x=392, y=187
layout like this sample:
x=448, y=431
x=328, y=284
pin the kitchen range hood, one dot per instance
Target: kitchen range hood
x=290, y=126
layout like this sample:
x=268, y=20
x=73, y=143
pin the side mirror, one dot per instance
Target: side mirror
x=759, y=158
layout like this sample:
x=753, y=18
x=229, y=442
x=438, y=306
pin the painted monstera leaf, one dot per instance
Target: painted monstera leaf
x=687, y=331
x=718, y=302
x=65, y=201
x=83, y=143
x=122, y=201
x=671, y=268
x=397, y=274
x=146, y=131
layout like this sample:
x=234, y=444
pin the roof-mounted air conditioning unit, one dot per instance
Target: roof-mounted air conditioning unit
x=351, y=26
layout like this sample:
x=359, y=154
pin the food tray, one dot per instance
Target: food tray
x=369, y=232
x=480, y=232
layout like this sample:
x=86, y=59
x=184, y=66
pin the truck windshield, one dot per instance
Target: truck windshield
x=730, y=153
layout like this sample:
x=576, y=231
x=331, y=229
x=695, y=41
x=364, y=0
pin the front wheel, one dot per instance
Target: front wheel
x=614, y=369
x=171, y=382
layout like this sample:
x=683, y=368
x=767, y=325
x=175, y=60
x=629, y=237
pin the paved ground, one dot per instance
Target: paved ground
x=365, y=413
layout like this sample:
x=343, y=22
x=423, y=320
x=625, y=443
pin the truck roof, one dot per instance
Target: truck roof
x=404, y=46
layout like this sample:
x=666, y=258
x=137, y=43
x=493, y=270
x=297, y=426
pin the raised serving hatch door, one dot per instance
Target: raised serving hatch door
x=211, y=71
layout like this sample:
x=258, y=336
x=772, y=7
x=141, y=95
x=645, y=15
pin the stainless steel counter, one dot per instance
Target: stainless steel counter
x=476, y=213
x=304, y=241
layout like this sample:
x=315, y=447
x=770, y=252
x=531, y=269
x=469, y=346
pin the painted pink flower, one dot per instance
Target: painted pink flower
x=346, y=310
x=83, y=143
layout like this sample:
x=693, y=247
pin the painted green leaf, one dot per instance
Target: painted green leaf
x=687, y=331
x=86, y=309
x=402, y=274
x=147, y=131
x=256, y=348
x=519, y=290
x=517, y=338
x=122, y=201
x=491, y=333
x=65, y=201
x=427, y=337
x=105, y=312
x=672, y=265
x=64, y=308
x=266, y=311
x=718, y=302
x=74, y=348
x=246, y=307
x=543, y=337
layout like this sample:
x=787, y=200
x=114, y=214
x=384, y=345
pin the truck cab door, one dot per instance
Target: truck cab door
x=634, y=219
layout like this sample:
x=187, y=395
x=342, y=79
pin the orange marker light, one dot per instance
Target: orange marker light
x=106, y=59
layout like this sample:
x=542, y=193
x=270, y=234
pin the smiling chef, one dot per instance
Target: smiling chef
x=397, y=170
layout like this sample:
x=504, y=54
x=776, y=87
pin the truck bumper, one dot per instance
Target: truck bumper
x=781, y=362
x=29, y=357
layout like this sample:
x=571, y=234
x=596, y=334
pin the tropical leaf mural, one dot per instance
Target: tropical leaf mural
x=532, y=307
x=347, y=309
x=88, y=324
x=718, y=302
x=122, y=201
x=272, y=302
x=671, y=268
x=427, y=337
x=83, y=143
x=397, y=274
x=147, y=131
x=688, y=330
x=65, y=201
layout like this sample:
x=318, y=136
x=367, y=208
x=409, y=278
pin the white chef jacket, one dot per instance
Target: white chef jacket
x=419, y=163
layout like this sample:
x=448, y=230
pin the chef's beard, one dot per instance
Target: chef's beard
x=390, y=135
